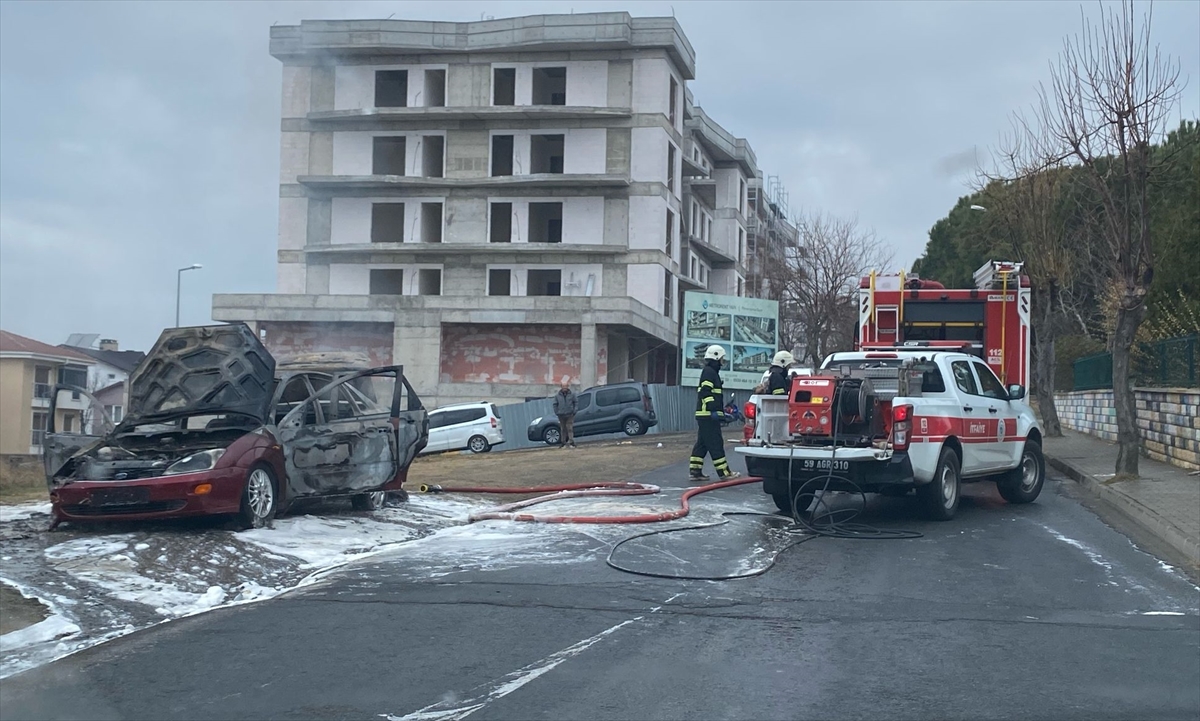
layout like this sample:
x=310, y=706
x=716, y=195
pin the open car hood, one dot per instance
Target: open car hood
x=201, y=370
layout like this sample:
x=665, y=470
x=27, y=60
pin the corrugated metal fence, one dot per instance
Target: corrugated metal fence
x=675, y=406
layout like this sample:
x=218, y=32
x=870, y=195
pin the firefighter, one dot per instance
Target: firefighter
x=777, y=382
x=710, y=409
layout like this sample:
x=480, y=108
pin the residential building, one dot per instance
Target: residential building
x=495, y=205
x=108, y=378
x=29, y=370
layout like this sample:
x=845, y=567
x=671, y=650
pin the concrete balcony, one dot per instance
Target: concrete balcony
x=361, y=251
x=716, y=256
x=386, y=185
x=703, y=188
x=427, y=310
x=375, y=118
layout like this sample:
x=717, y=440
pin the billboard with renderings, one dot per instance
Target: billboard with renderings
x=748, y=328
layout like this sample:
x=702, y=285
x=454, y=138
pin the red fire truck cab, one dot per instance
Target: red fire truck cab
x=990, y=320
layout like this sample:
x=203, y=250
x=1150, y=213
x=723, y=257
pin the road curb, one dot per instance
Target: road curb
x=1137, y=512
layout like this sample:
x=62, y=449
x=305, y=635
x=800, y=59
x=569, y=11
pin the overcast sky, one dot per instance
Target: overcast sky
x=138, y=138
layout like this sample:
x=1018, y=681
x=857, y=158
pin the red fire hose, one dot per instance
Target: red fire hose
x=579, y=490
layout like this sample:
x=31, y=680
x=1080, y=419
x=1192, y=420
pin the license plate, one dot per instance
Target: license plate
x=810, y=464
x=119, y=496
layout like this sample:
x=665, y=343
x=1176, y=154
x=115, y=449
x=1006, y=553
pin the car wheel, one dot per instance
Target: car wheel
x=1024, y=483
x=633, y=427
x=940, y=496
x=368, y=501
x=260, y=499
x=479, y=444
x=552, y=435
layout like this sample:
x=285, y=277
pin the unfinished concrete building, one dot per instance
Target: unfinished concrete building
x=496, y=205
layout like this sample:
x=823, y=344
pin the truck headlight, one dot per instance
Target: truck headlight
x=202, y=461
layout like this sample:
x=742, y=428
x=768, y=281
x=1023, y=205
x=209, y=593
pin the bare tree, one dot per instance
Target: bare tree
x=1110, y=99
x=818, y=284
x=1027, y=203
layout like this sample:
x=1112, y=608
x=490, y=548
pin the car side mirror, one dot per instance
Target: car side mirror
x=1016, y=392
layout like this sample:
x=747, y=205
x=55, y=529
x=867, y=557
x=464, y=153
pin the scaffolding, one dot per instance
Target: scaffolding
x=770, y=233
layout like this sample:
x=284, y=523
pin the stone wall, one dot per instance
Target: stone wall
x=1168, y=420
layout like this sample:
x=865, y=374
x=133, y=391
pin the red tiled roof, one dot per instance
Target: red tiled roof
x=13, y=343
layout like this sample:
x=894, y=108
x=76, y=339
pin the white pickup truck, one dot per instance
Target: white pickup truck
x=893, y=421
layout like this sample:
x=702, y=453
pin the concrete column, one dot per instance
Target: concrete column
x=587, y=355
x=417, y=345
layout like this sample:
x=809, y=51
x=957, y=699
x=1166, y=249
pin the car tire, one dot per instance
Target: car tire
x=260, y=499
x=940, y=496
x=552, y=435
x=478, y=444
x=633, y=426
x=368, y=501
x=1023, y=484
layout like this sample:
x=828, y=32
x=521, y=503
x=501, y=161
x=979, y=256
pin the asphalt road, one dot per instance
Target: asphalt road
x=1040, y=611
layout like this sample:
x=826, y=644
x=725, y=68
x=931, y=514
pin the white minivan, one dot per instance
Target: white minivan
x=474, y=426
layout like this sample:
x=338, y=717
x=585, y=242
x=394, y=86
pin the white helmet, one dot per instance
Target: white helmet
x=715, y=352
x=783, y=358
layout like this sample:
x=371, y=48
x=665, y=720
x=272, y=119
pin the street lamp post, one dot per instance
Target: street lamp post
x=178, y=283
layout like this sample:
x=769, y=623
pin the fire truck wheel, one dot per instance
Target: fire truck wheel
x=1023, y=484
x=940, y=496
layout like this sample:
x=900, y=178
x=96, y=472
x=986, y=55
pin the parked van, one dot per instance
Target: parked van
x=617, y=408
x=473, y=426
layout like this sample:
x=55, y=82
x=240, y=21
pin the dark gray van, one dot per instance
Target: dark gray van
x=620, y=407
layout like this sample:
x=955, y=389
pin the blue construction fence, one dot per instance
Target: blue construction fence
x=675, y=406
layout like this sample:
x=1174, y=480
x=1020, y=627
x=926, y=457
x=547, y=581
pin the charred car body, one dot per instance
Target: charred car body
x=213, y=427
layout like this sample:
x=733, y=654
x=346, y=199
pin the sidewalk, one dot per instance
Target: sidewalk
x=1165, y=500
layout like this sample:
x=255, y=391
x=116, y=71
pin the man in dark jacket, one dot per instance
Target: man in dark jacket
x=777, y=380
x=710, y=409
x=565, y=404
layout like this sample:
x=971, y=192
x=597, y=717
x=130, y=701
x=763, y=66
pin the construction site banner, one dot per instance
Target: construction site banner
x=748, y=328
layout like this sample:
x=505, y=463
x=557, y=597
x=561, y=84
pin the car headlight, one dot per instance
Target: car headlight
x=535, y=421
x=202, y=461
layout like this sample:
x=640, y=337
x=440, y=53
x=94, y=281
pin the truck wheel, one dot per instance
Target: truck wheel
x=783, y=501
x=940, y=496
x=1024, y=483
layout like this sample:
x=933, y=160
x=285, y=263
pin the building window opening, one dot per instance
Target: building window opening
x=671, y=168
x=500, y=281
x=546, y=153
x=549, y=86
x=387, y=222
x=429, y=281
x=388, y=155
x=502, y=216
x=433, y=153
x=674, y=102
x=545, y=282
x=545, y=222
x=504, y=86
x=667, y=292
x=502, y=155
x=386, y=281
x=391, y=88
x=435, y=88
x=670, y=246
x=431, y=222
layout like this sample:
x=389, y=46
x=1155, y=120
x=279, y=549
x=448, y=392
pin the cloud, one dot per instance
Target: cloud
x=146, y=136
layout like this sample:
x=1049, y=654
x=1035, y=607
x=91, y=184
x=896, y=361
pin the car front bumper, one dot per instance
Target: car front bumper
x=145, y=498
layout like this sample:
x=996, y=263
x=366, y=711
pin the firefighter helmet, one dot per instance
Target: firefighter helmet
x=714, y=352
x=783, y=358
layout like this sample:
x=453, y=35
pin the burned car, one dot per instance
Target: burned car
x=212, y=427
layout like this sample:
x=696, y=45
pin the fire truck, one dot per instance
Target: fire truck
x=990, y=320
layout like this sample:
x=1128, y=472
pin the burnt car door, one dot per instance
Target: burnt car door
x=81, y=411
x=352, y=435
